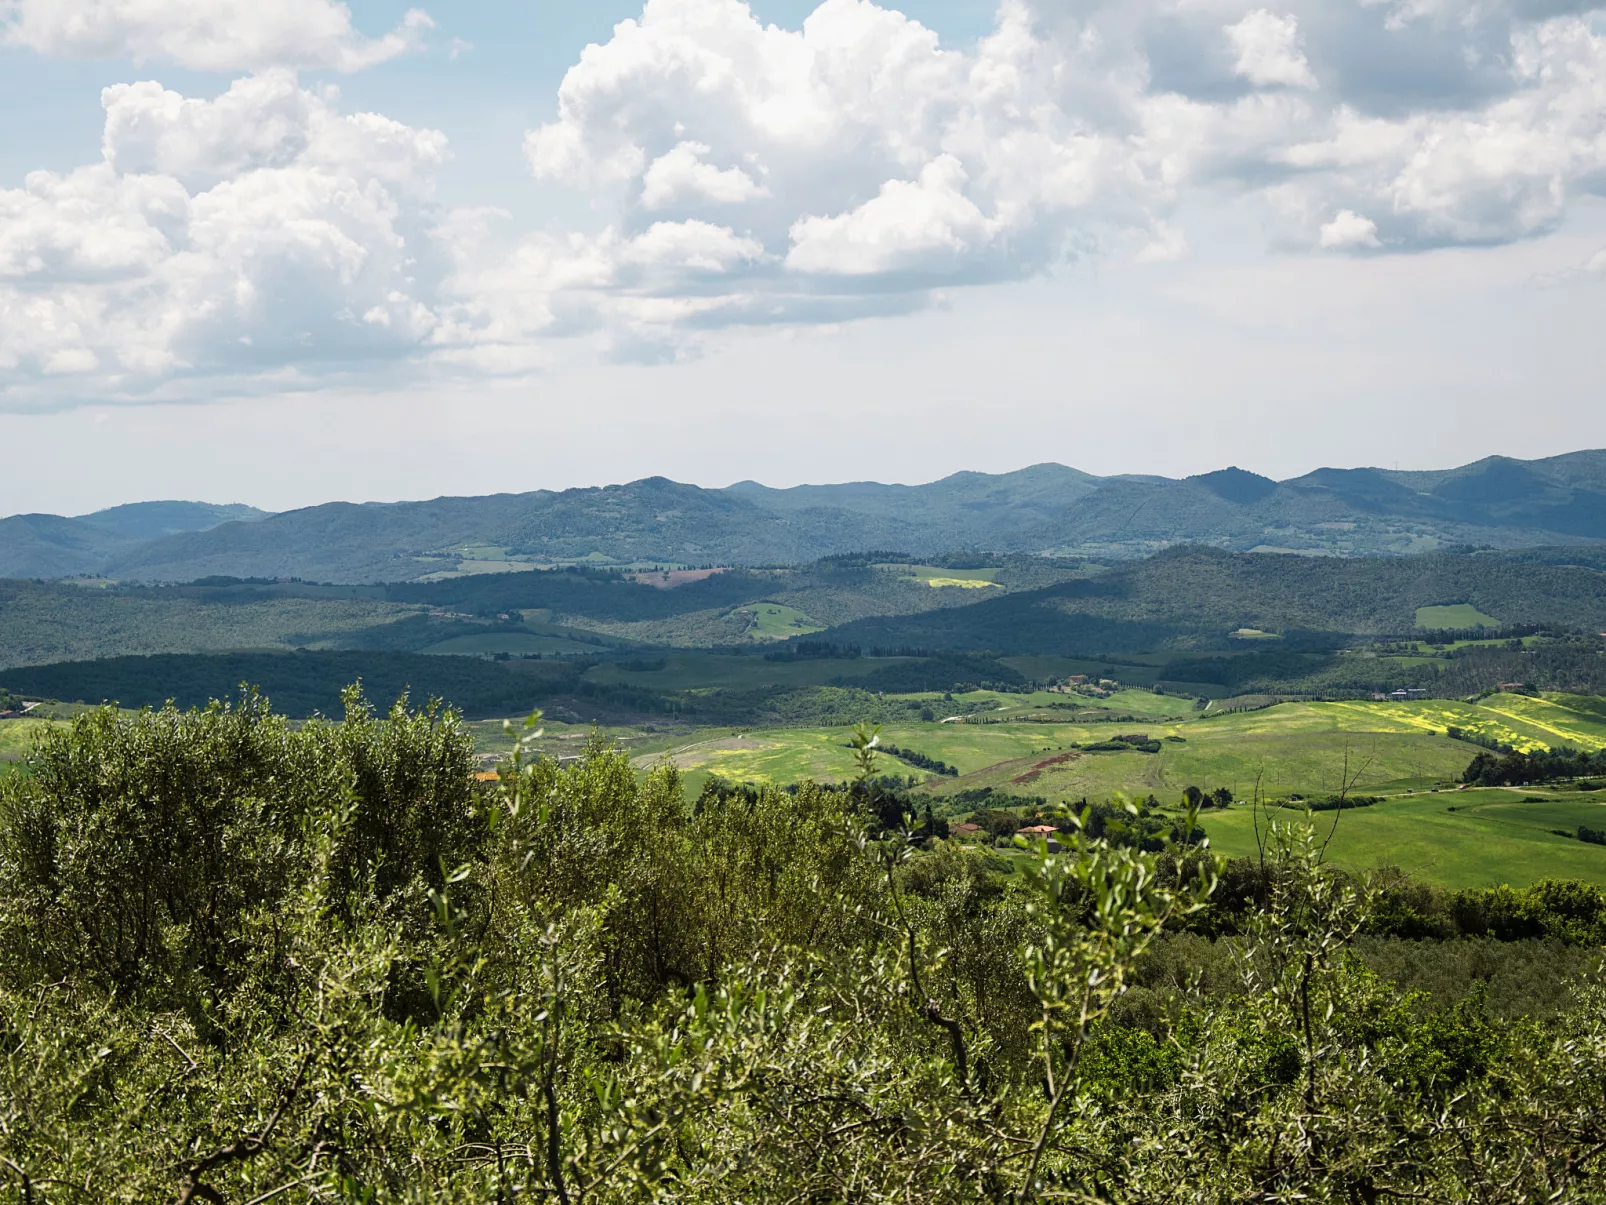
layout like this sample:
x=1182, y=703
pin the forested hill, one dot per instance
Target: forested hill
x=1181, y=599
x=1198, y=597
x=53, y=546
x=1048, y=508
x=153, y=520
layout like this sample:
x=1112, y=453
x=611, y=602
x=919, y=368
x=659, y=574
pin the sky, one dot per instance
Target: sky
x=294, y=252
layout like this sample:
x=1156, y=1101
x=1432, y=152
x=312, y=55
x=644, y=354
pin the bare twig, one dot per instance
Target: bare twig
x=184, y=1054
x=929, y=1008
x=191, y=1186
x=1346, y=784
x=273, y=1192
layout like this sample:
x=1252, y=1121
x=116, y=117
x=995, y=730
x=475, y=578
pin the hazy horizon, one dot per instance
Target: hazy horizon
x=230, y=501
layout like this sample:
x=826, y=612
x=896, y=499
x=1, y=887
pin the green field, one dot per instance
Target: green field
x=1475, y=838
x=783, y=756
x=1456, y=615
x=772, y=621
x=1299, y=748
x=475, y=560
x=947, y=579
x=1522, y=721
x=1142, y=703
x=1060, y=707
x=17, y=737
x=1293, y=748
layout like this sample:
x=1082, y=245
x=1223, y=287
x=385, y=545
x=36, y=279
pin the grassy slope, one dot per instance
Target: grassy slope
x=1301, y=748
x=772, y=621
x=17, y=737
x=1521, y=721
x=1490, y=837
x=1293, y=748
x=1456, y=615
x=1122, y=702
x=1558, y=719
x=1297, y=747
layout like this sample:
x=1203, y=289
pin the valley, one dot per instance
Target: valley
x=1010, y=662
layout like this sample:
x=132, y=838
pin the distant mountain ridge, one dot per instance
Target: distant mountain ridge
x=153, y=520
x=1046, y=508
x=52, y=546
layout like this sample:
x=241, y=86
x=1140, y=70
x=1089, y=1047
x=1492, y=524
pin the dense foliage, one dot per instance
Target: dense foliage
x=946, y=672
x=245, y=961
x=1512, y=768
x=302, y=684
x=41, y=623
x=309, y=683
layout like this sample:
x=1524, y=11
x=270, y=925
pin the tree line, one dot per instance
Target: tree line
x=1513, y=768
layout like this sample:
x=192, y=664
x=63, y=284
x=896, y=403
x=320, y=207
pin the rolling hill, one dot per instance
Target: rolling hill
x=52, y=546
x=43, y=622
x=1048, y=508
x=1197, y=597
x=153, y=520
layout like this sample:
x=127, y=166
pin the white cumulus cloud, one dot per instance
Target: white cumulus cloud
x=207, y=35
x=680, y=177
x=1349, y=229
x=919, y=225
x=744, y=173
x=692, y=245
x=247, y=234
x=1268, y=50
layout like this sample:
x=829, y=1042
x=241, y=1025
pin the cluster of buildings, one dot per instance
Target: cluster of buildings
x=1082, y=684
